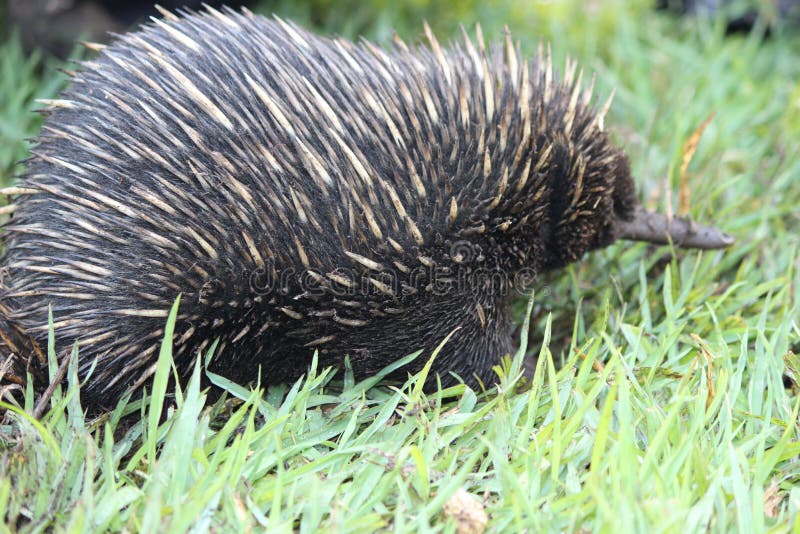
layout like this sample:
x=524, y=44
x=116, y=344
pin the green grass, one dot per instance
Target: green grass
x=659, y=401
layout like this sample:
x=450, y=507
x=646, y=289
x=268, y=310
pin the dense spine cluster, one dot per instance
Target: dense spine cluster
x=302, y=193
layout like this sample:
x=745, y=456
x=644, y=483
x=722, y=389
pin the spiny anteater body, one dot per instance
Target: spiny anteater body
x=302, y=194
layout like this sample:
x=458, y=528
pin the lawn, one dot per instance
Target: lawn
x=666, y=388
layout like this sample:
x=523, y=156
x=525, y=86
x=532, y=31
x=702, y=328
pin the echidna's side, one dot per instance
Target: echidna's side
x=303, y=194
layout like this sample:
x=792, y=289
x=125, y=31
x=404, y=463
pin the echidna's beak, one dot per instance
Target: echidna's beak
x=657, y=228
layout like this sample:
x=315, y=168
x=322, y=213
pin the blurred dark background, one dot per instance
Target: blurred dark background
x=55, y=25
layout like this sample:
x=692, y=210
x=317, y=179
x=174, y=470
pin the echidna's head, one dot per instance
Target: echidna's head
x=589, y=201
x=536, y=172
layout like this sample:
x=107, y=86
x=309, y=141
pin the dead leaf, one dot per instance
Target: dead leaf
x=689, y=148
x=772, y=500
x=709, y=370
x=468, y=512
x=597, y=365
x=241, y=510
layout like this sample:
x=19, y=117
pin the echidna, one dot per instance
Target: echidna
x=304, y=194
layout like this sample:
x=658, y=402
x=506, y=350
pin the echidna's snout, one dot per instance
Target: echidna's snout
x=657, y=228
